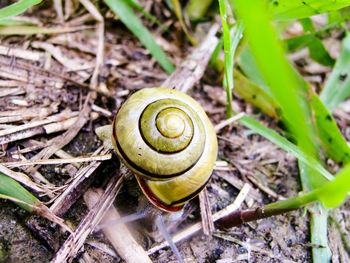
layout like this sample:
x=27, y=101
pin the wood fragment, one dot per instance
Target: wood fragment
x=118, y=235
x=10, y=91
x=238, y=184
x=103, y=111
x=21, y=53
x=37, y=177
x=104, y=157
x=28, y=113
x=227, y=122
x=100, y=36
x=265, y=189
x=62, y=140
x=192, y=68
x=206, y=215
x=77, y=186
x=189, y=231
x=51, y=124
x=71, y=64
x=76, y=240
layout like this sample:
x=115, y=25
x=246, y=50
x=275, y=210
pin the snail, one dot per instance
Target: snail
x=165, y=138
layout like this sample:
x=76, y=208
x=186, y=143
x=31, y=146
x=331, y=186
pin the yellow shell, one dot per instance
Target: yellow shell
x=167, y=140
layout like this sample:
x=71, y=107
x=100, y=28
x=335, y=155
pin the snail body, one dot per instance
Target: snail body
x=165, y=138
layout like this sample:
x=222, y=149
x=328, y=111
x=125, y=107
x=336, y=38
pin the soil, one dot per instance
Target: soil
x=252, y=159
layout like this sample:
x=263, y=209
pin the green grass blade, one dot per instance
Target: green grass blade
x=295, y=43
x=287, y=9
x=126, y=14
x=318, y=221
x=319, y=233
x=332, y=140
x=197, y=9
x=11, y=188
x=284, y=144
x=228, y=78
x=284, y=86
x=334, y=193
x=215, y=61
x=319, y=53
x=231, y=39
x=178, y=12
x=337, y=87
x=255, y=95
x=17, y=8
x=316, y=48
x=248, y=65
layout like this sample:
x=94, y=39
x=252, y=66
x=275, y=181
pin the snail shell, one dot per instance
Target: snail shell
x=167, y=140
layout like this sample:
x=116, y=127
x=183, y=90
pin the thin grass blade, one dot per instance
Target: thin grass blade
x=333, y=142
x=317, y=50
x=286, y=9
x=231, y=39
x=337, y=87
x=17, y=8
x=255, y=95
x=335, y=192
x=332, y=194
x=284, y=144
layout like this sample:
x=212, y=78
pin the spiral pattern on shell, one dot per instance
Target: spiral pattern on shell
x=167, y=140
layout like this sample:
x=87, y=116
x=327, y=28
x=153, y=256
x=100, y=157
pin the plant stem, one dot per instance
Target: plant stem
x=243, y=216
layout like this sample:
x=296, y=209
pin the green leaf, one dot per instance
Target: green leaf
x=316, y=48
x=178, y=13
x=319, y=53
x=319, y=233
x=255, y=95
x=298, y=42
x=124, y=11
x=284, y=144
x=296, y=9
x=337, y=87
x=333, y=193
x=11, y=188
x=17, y=8
x=332, y=139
